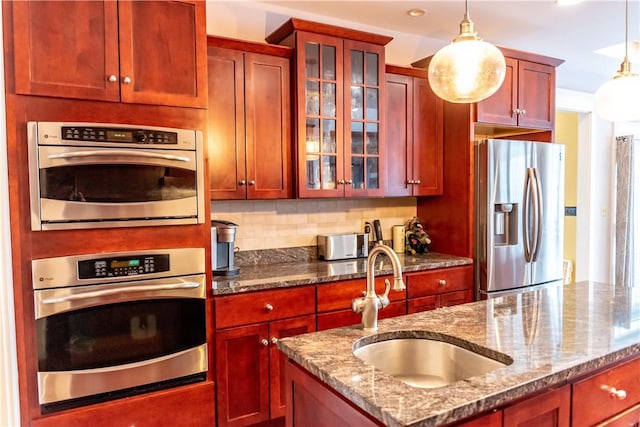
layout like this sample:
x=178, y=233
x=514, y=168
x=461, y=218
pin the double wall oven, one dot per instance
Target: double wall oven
x=95, y=175
x=115, y=324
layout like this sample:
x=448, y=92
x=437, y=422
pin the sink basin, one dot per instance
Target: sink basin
x=425, y=363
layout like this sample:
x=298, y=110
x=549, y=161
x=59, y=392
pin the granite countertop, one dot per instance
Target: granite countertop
x=309, y=272
x=553, y=334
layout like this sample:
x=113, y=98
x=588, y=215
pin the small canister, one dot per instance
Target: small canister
x=397, y=232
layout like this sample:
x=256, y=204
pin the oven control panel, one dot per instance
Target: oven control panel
x=122, y=266
x=116, y=135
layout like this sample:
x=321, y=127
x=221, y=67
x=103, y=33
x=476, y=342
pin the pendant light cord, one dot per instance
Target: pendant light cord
x=626, y=29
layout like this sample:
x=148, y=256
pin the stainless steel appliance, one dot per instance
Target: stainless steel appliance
x=343, y=246
x=115, y=324
x=519, y=205
x=95, y=175
x=223, y=240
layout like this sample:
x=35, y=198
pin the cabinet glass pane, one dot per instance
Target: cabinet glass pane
x=372, y=69
x=312, y=97
x=313, y=172
x=372, y=138
x=312, y=60
x=329, y=99
x=357, y=67
x=357, y=102
x=357, y=138
x=313, y=136
x=329, y=136
x=328, y=62
x=372, y=104
x=357, y=172
x=328, y=172
x=372, y=172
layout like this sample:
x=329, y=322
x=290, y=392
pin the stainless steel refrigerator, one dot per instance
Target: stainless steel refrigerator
x=519, y=214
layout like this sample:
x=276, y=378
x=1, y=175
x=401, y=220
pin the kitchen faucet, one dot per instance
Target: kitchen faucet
x=370, y=303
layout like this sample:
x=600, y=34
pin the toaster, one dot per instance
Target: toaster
x=343, y=246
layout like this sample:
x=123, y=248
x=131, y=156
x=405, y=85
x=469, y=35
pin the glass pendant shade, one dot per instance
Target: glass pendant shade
x=618, y=100
x=466, y=71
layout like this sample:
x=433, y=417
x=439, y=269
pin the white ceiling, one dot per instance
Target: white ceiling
x=571, y=33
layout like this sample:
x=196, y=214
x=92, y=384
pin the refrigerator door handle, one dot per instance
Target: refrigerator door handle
x=526, y=215
x=538, y=209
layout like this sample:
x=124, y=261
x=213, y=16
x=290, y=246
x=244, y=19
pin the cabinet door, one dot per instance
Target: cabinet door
x=550, y=409
x=163, y=52
x=363, y=125
x=278, y=360
x=439, y=281
x=493, y=419
x=500, y=107
x=268, y=127
x=416, y=305
x=66, y=49
x=428, y=139
x=226, y=143
x=628, y=418
x=454, y=298
x=399, y=139
x=536, y=95
x=242, y=375
x=319, y=79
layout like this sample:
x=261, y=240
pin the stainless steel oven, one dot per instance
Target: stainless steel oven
x=95, y=175
x=115, y=324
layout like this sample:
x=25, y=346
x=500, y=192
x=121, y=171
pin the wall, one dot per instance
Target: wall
x=567, y=134
x=294, y=223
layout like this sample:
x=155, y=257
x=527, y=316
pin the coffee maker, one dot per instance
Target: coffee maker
x=223, y=238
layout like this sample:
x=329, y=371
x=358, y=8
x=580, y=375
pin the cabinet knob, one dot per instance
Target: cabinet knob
x=349, y=181
x=274, y=340
x=617, y=394
x=242, y=182
x=417, y=181
x=523, y=112
x=264, y=342
x=268, y=307
x=126, y=80
x=112, y=78
x=411, y=181
x=341, y=181
x=442, y=282
x=515, y=112
x=252, y=182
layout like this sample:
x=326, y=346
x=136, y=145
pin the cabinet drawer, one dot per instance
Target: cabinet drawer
x=338, y=295
x=593, y=400
x=439, y=281
x=263, y=306
x=341, y=318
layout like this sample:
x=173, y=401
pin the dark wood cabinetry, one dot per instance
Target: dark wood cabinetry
x=550, y=409
x=249, y=120
x=439, y=288
x=249, y=367
x=339, y=93
x=527, y=96
x=414, y=136
x=107, y=51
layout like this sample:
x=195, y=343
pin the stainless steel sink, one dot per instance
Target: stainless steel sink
x=426, y=363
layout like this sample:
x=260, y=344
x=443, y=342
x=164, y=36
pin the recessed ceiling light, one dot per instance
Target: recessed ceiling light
x=416, y=12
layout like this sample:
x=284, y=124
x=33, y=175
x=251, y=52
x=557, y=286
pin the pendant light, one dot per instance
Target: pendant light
x=468, y=69
x=618, y=100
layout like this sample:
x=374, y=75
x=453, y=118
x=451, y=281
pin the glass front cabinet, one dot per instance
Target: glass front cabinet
x=339, y=96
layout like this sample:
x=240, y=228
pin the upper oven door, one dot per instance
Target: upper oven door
x=85, y=184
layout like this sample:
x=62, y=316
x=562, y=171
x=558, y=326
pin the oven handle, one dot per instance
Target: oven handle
x=125, y=289
x=109, y=153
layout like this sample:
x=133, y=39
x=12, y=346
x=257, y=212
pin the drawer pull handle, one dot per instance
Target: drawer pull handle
x=264, y=342
x=268, y=307
x=442, y=282
x=274, y=340
x=618, y=394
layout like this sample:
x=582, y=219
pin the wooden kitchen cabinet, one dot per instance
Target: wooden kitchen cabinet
x=249, y=120
x=108, y=51
x=339, y=93
x=527, y=96
x=414, y=134
x=249, y=367
x=438, y=288
x=549, y=409
x=334, y=302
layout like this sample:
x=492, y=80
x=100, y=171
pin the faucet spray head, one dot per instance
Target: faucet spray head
x=398, y=284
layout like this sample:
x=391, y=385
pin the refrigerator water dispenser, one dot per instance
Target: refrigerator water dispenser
x=505, y=231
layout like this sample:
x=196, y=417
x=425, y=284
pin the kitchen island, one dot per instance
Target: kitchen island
x=549, y=337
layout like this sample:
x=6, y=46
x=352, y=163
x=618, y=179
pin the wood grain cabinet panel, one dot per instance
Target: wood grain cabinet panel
x=437, y=288
x=414, y=140
x=250, y=150
x=550, y=409
x=107, y=51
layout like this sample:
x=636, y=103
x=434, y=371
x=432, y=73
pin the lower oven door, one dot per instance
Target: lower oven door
x=98, y=339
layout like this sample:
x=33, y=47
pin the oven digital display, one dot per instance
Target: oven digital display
x=119, y=135
x=121, y=267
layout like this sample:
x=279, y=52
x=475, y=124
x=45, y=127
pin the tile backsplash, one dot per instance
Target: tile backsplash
x=270, y=224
